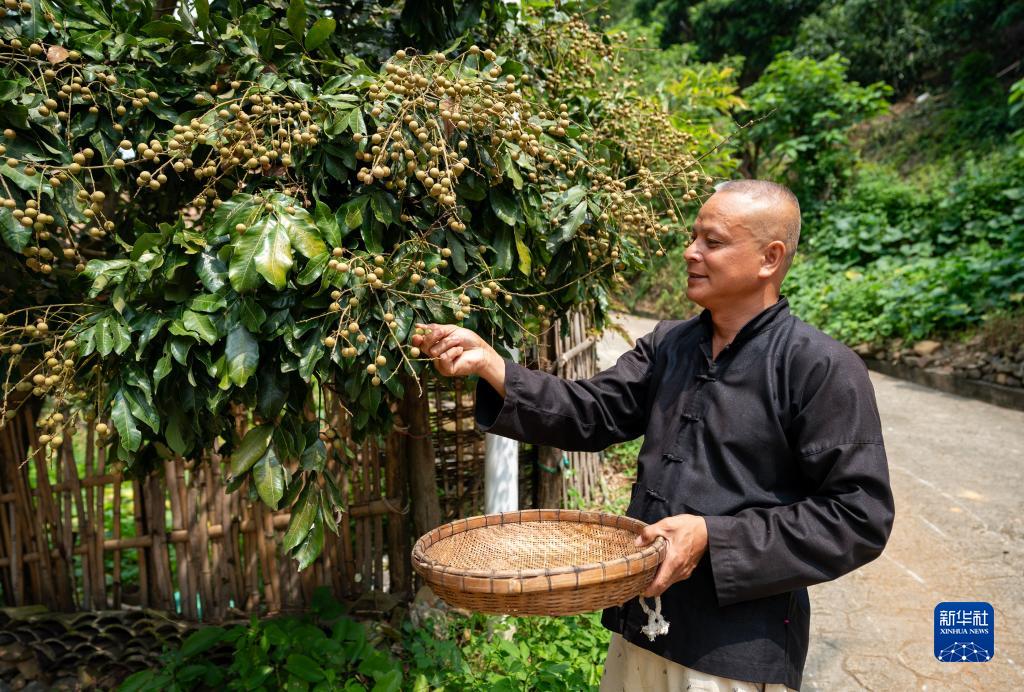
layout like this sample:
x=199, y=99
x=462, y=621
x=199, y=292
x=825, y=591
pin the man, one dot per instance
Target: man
x=762, y=463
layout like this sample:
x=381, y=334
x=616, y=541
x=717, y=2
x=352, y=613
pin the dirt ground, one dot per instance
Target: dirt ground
x=957, y=472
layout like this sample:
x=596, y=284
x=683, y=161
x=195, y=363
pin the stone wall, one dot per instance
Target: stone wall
x=969, y=359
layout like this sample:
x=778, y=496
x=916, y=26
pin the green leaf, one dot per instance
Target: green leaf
x=313, y=545
x=305, y=668
x=297, y=18
x=327, y=223
x=458, y=252
x=355, y=121
x=314, y=456
x=504, y=206
x=201, y=325
x=144, y=243
x=142, y=410
x=502, y=241
x=242, y=270
x=576, y=217
x=167, y=28
x=389, y=681
x=312, y=352
x=124, y=421
x=273, y=389
x=212, y=272
x=103, y=337
x=9, y=89
x=303, y=233
x=290, y=493
x=301, y=89
x=29, y=184
x=372, y=233
x=313, y=270
x=352, y=212
x=262, y=250
x=243, y=354
x=206, y=302
x=385, y=207
x=180, y=347
x=252, y=314
x=201, y=640
x=14, y=234
x=242, y=208
x=202, y=13
x=104, y=272
x=163, y=368
x=525, y=261
x=320, y=32
x=302, y=517
x=269, y=477
x=178, y=434
x=251, y=448
x=275, y=256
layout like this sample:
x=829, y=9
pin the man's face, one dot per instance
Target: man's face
x=724, y=257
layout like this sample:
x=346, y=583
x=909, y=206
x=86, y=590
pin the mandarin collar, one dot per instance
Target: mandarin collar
x=759, y=323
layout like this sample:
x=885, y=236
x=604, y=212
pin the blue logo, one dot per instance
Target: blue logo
x=964, y=632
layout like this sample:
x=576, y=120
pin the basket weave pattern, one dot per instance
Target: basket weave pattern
x=537, y=562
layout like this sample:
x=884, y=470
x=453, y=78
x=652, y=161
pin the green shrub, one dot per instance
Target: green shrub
x=321, y=650
x=755, y=29
x=325, y=650
x=801, y=112
x=495, y=654
x=907, y=298
x=954, y=204
x=894, y=256
x=889, y=41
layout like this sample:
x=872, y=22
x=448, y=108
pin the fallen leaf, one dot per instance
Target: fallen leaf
x=56, y=54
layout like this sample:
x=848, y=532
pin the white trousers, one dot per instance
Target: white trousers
x=630, y=668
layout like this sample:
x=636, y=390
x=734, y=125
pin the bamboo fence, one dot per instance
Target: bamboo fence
x=76, y=534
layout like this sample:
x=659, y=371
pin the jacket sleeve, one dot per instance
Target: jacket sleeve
x=573, y=415
x=846, y=517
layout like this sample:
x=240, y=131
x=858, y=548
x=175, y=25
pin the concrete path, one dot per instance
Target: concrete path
x=957, y=470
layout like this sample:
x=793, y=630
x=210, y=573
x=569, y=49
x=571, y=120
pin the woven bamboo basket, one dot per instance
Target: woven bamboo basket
x=537, y=562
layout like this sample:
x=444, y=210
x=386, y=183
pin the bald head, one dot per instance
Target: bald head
x=772, y=209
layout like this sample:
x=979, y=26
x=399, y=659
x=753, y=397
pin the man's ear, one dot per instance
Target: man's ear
x=772, y=259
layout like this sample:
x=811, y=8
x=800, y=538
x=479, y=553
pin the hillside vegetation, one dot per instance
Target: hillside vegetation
x=900, y=127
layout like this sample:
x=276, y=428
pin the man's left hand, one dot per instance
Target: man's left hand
x=687, y=536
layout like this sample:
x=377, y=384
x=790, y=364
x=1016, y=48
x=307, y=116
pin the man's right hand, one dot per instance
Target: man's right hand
x=458, y=352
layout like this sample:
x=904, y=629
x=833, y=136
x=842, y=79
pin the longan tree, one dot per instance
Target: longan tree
x=244, y=209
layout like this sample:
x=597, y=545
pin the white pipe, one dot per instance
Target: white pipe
x=501, y=471
x=501, y=475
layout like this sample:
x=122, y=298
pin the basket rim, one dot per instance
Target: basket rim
x=427, y=567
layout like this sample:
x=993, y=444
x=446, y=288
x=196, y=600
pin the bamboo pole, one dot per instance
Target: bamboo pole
x=145, y=598
x=181, y=563
x=264, y=563
x=188, y=519
x=234, y=560
x=117, y=591
x=153, y=493
x=426, y=509
x=379, y=492
x=217, y=548
x=85, y=528
x=348, y=557
x=101, y=533
x=198, y=540
x=9, y=580
x=270, y=548
x=44, y=583
x=9, y=526
x=399, y=572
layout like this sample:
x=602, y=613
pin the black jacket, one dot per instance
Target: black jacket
x=777, y=443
